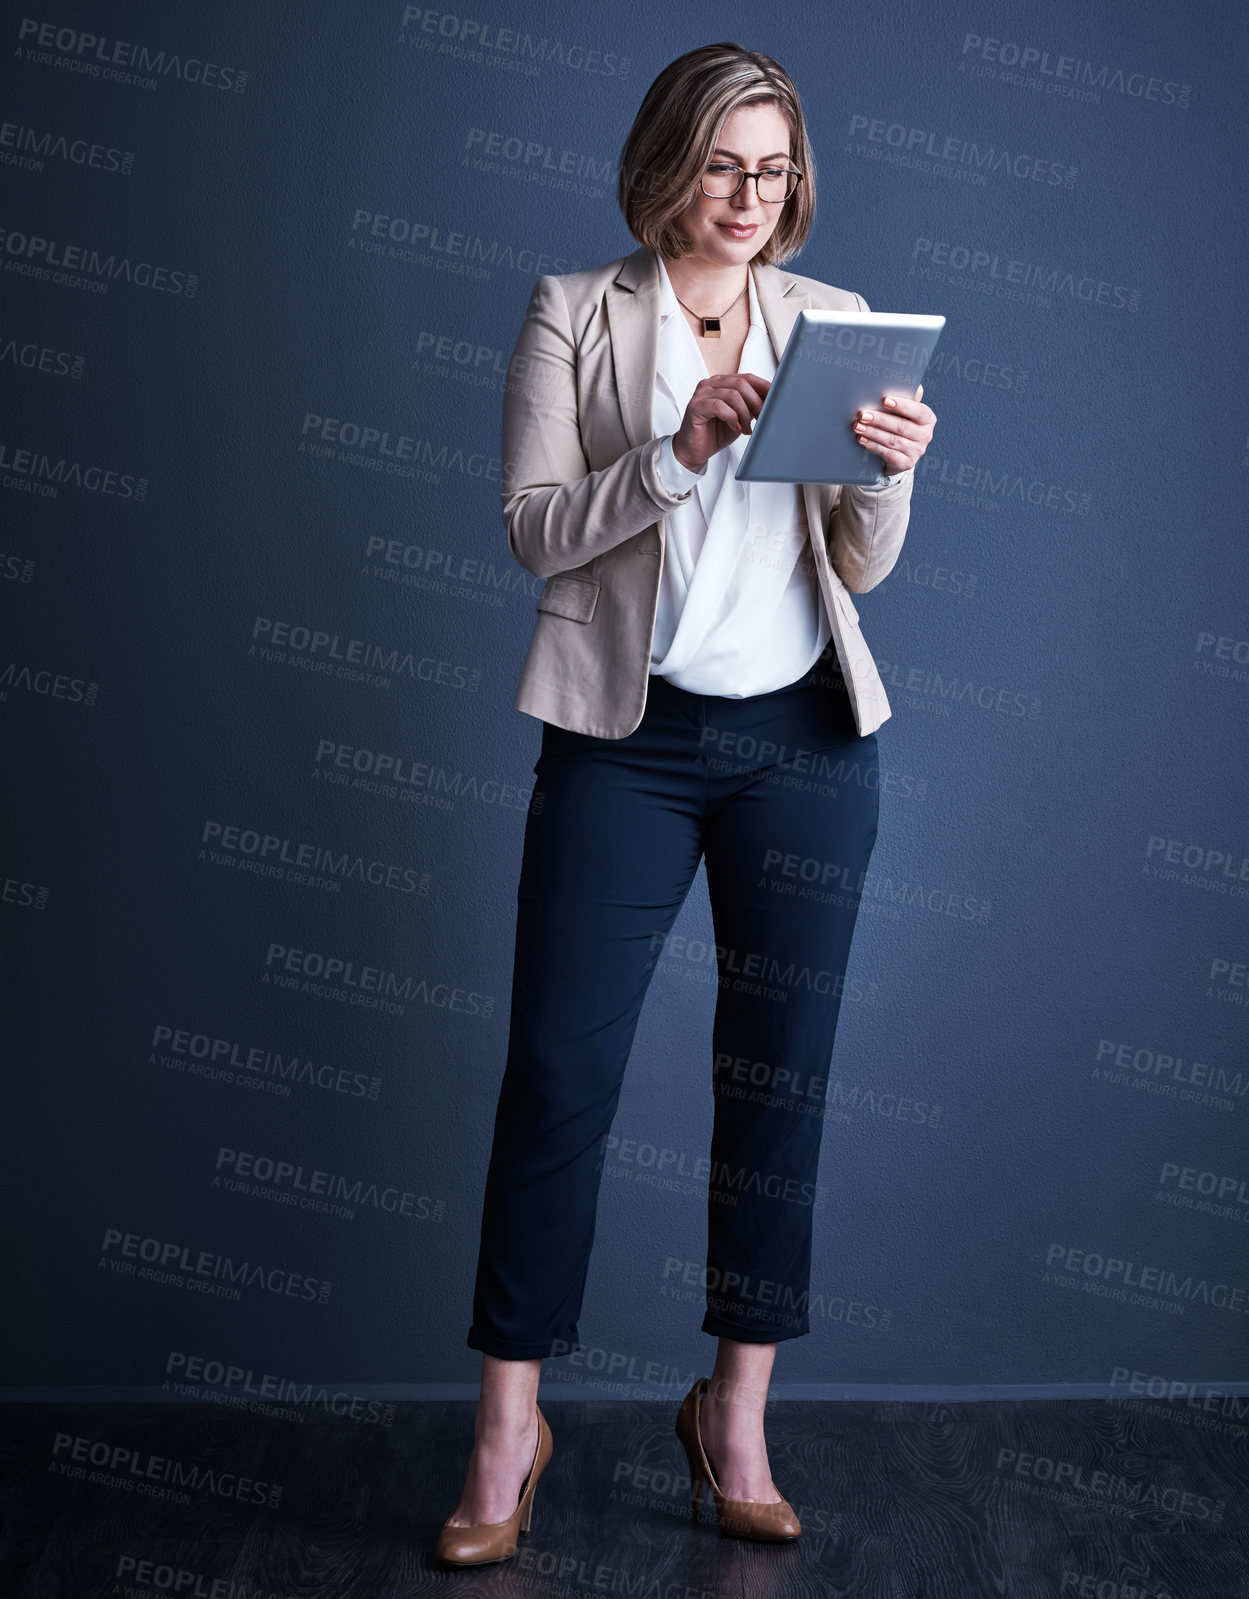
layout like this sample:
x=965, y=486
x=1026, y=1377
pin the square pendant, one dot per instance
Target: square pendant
x=711, y=327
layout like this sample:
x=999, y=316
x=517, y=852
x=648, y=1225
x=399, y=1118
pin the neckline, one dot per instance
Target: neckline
x=751, y=305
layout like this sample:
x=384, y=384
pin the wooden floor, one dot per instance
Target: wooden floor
x=1096, y=1499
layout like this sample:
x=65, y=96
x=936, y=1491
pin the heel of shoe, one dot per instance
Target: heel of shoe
x=697, y=1479
x=529, y=1488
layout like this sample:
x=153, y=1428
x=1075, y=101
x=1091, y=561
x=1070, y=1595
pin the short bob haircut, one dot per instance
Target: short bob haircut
x=676, y=129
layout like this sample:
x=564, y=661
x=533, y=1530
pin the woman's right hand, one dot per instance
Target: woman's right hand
x=721, y=409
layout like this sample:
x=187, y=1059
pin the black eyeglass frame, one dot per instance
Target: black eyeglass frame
x=756, y=176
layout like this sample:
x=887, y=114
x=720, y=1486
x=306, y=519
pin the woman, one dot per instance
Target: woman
x=699, y=672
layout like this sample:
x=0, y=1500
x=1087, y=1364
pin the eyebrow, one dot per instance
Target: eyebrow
x=719, y=150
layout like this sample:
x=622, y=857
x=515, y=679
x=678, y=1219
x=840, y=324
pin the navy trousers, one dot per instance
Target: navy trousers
x=780, y=795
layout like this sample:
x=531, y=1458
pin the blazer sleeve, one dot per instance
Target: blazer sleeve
x=867, y=526
x=558, y=514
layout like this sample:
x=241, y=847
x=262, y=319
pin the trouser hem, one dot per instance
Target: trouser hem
x=756, y=1333
x=505, y=1349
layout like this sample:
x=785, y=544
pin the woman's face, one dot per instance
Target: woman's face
x=733, y=231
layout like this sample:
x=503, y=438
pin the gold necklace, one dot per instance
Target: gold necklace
x=711, y=324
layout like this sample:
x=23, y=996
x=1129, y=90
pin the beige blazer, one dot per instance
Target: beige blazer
x=584, y=508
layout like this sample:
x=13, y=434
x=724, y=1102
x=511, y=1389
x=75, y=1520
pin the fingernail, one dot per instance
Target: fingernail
x=891, y=401
x=866, y=415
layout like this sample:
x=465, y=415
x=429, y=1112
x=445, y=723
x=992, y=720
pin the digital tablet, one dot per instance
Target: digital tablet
x=833, y=363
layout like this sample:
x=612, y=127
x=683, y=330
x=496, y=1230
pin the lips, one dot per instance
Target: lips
x=743, y=233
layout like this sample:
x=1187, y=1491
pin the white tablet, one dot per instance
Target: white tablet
x=833, y=363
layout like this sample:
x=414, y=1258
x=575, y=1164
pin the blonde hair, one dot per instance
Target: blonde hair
x=676, y=129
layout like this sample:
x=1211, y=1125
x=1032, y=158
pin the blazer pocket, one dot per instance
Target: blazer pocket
x=573, y=597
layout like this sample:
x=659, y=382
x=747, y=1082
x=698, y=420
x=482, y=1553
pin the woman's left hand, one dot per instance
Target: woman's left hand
x=900, y=431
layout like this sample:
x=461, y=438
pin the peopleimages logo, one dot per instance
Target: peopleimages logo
x=1204, y=866
x=443, y=571
x=119, y=1466
x=961, y=152
x=514, y=147
x=944, y=691
x=314, y=650
x=1172, y=1074
x=380, y=233
x=37, y=472
x=1113, y=1491
x=145, y=1577
x=28, y=896
x=200, y=1376
x=52, y=685
x=372, y=987
x=118, y=60
x=207, y=1055
x=361, y=444
x=469, y=38
x=1229, y=1191
x=88, y=266
x=220, y=1276
x=37, y=357
x=16, y=568
x=979, y=370
x=987, y=269
x=718, y=1286
x=1227, y=979
x=311, y=1188
x=1072, y=77
x=29, y=148
x=1225, y=648
x=1204, y=1398
x=1005, y=484
x=1112, y=1273
x=245, y=843
x=378, y=772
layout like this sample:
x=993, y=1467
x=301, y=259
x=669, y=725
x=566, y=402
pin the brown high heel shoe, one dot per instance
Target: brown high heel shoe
x=497, y=1540
x=737, y=1518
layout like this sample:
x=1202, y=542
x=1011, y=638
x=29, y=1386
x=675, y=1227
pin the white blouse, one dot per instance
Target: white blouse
x=740, y=611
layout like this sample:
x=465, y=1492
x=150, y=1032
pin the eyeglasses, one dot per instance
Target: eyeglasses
x=722, y=180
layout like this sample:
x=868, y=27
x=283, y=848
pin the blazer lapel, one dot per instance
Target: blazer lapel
x=780, y=300
x=633, y=320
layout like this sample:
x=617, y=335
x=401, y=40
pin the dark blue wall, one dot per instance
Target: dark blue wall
x=261, y=634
